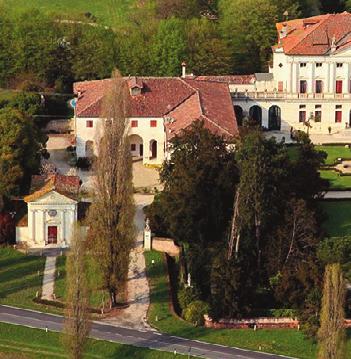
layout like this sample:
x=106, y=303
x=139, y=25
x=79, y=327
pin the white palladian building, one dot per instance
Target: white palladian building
x=49, y=212
x=309, y=79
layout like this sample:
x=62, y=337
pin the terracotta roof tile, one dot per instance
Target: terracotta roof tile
x=185, y=99
x=314, y=36
x=65, y=185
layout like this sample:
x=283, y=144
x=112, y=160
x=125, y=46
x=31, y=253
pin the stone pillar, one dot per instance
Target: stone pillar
x=147, y=236
x=312, y=84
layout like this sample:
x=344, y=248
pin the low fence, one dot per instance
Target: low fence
x=165, y=245
x=257, y=323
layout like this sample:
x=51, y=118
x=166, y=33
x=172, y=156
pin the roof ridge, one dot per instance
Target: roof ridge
x=323, y=20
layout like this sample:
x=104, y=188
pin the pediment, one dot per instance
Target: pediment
x=54, y=197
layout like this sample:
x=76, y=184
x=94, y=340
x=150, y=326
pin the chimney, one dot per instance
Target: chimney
x=333, y=44
x=283, y=31
x=183, y=69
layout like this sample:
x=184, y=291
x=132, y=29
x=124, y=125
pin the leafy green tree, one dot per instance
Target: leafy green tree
x=249, y=27
x=333, y=6
x=168, y=47
x=199, y=181
x=185, y=9
x=331, y=334
x=207, y=52
x=20, y=145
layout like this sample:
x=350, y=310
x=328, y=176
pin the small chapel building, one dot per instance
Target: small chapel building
x=50, y=211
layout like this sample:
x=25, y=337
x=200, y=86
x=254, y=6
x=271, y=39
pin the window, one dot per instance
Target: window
x=338, y=86
x=89, y=123
x=302, y=116
x=153, y=123
x=303, y=64
x=338, y=107
x=339, y=64
x=338, y=116
x=319, y=64
x=319, y=86
x=318, y=116
x=133, y=147
x=302, y=106
x=317, y=106
x=303, y=86
x=280, y=65
x=134, y=123
x=280, y=86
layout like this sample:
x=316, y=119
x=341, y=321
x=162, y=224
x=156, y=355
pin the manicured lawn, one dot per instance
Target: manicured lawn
x=98, y=296
x=19, y=279
x=336, y=181
x=106, y=11
x=338, y=222
x=36, y=343
x=288, y=342
x=334, y=152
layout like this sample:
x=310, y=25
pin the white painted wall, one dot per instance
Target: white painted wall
x=143, y=130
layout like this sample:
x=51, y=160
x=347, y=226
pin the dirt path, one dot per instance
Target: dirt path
x=138, y=287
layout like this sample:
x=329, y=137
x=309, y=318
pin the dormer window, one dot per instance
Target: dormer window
x=135, y=86
x=303, y=64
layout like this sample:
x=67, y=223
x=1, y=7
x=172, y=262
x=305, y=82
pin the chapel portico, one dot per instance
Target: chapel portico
x=52, y=210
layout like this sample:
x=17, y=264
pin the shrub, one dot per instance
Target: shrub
x=73, y=160
x=195, y=312
x=83, y=163
x=70, y=148
x=187, y=295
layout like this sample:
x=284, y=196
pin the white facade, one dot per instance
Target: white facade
x=314, y=88
x=146, y=136
x=50, y=222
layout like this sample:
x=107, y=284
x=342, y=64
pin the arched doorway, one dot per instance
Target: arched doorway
x=153, y=148
x=89, y=149
x=274, y=118
x=255, y=114
x=136, y=146
x=239, y=115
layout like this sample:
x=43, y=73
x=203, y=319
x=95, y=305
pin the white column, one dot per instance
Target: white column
x=33, y=226
x=291, y=78
x=311, y=85
x=43, y=236
x=327, y=79
x=332, y=77
x=63, y=227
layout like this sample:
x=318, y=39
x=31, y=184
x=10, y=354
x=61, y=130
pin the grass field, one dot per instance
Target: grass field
x=338, y=222
x=36, y=343
x=336, y=181
x=19, y=279
x=97, y=295
x=335, y=152
x=288, y=342
x=106, y=11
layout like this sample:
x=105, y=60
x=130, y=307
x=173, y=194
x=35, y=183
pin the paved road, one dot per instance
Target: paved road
x=139, y=338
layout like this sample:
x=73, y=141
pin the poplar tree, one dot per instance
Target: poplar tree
x=77, y=324
x=331, y=334
x=112, y=231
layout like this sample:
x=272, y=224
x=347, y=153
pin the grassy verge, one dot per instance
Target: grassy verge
x=283, y=341
x=336, y=181
x=36, y=343
x=334, y=152
x=98, y=296
x=338, y=222
x=19, y=279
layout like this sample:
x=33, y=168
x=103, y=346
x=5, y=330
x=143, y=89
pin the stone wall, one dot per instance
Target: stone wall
x=261, y=323
x=165, y=245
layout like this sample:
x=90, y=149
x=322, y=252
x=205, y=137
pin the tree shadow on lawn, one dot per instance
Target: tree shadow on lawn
x=16, y=260
x=16, y=272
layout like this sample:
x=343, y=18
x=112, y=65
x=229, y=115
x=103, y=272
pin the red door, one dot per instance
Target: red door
x=52, y=234
x=338, y=86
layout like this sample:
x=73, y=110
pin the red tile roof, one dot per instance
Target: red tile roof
x=230, y=79
x=186, y=99
x=315, y=35
x=65, y=185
